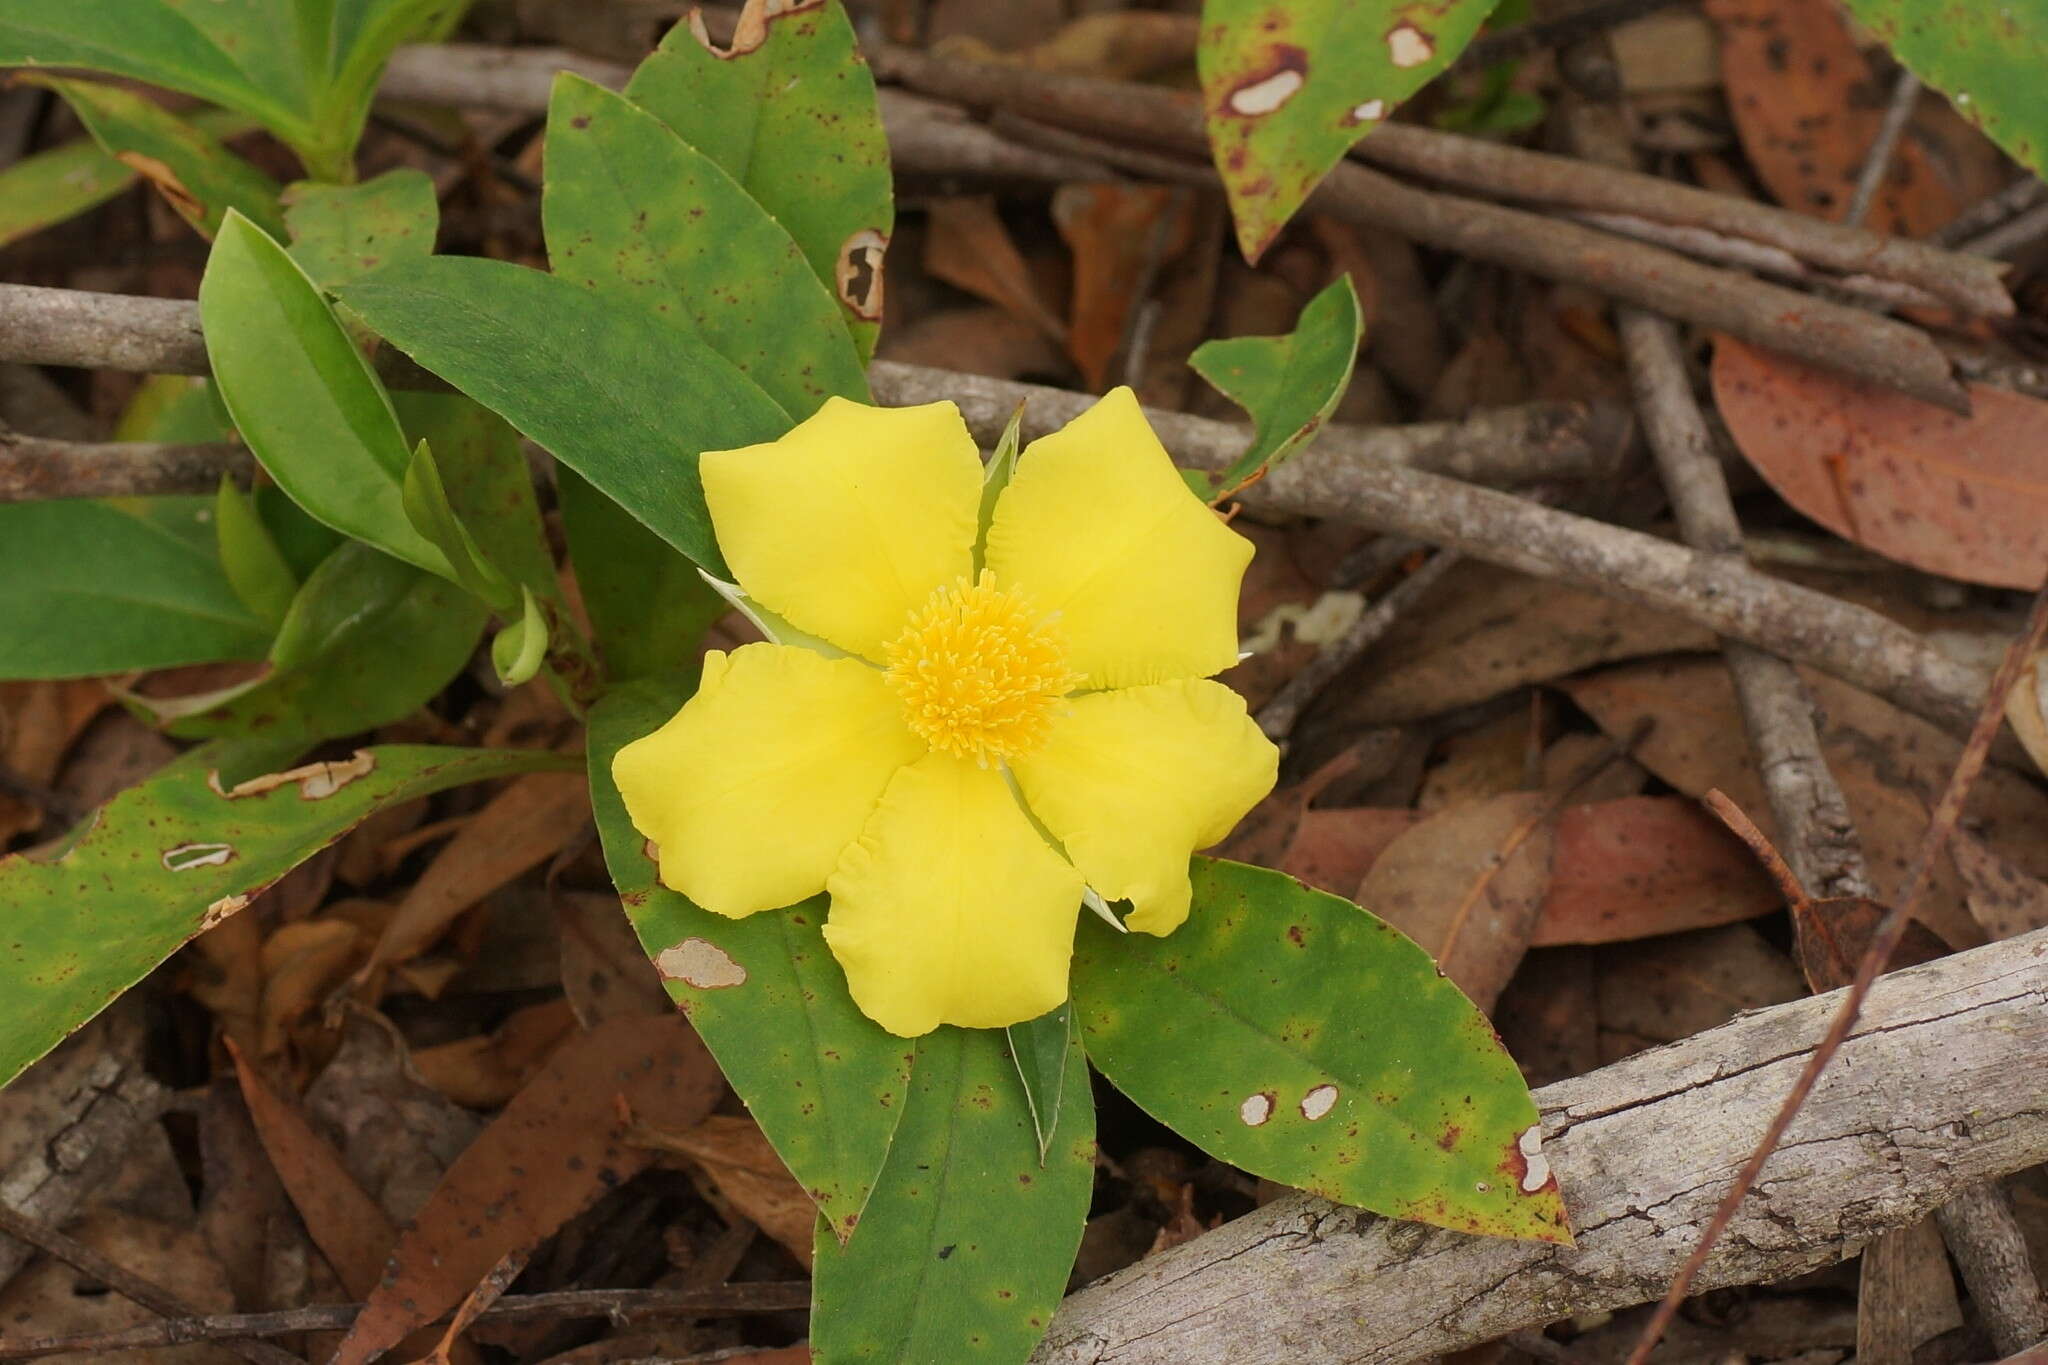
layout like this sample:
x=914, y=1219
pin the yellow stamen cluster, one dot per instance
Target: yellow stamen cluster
x=980, y=672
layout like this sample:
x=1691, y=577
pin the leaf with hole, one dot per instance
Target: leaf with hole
x=1334, y=1056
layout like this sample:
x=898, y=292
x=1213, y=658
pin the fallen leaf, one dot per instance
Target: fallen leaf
x=1121, y=236
x=606, y=973
x=486, y=1070
x=39, y=722
x=981, y=340
x=2006, y=901
x=522, y=826
x=1964, y=497
x=1647, y=865
x=1662, y=989
x=1467, y=884
x=968, y=247
x=735, y=1155
x=1335, y=847
x=556, y=1147
x=1807, y=110
x=51, y=1298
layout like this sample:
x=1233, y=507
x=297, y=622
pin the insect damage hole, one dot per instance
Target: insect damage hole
x=1318, y=1102
x=1256, y=1109
x=1267, y=94
x=185, y=857
x=1537, y=1166
x=701, y=963
x=857, y=277
x=1409, y=46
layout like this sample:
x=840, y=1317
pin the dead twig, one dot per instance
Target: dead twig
x=125, y=1282
x=33, y=468
x=1882, y=943
x=1990, y=1251
x=619, y=1305
x=1878, y=160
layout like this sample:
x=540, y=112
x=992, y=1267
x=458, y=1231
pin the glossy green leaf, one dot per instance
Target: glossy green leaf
x=825, y=1083
x=632, y=210
x=341, y=231
x=791, y=115
x=1041, y=1048
x=965, y=1248
x=519, y=648
x=52, y=186
x=369, y=640
x=1987, y=59
x=196, y=175
x=255, y=567
x=305, y=70
x=612, y=391
x=166, y=859
x=1334, y=1056
x=996, y=476
x=648, y=605
x=1289, y=384
x=302, y=396
x=90, y=586
x=1286, y=89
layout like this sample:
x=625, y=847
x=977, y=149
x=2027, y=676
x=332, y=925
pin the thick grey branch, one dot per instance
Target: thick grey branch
x=1939, y=1088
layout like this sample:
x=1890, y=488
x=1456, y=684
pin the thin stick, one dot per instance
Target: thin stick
x=1882, y=943
x=1878, y=160
x=145, y=1292
x=620, y=1305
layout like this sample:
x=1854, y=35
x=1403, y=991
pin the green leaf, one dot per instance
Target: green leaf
x=825, y=1083
x=308, y=405
x=369, y=640
x=256, y=569
x=177, y=408
x=342, y=231
x=996, y=476
x=164, y=860
x=1286, y=89
x=965, y=1249
x=520, y=647
x=648, y=605
x=1041, y=1048
x=196, y=175
x=116, y=585
x=304, y=68
x=632, y=210
x=489, y=487
x=1289, y=384
x=1987, y=59
x=426, y=502
x=791, y=115
x=46, y=189
x=612, y=391
x=1334, y=1056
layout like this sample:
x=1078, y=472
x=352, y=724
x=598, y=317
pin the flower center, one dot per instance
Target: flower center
x=980, y=672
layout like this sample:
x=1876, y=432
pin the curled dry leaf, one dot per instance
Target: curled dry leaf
x=486, y=1070
x=556, y=1147
x=1467, y=884
x=1965, y=497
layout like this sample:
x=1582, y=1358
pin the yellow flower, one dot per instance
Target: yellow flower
x=988, y=732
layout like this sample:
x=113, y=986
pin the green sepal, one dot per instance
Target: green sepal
x=519, y=648
x=255, y=567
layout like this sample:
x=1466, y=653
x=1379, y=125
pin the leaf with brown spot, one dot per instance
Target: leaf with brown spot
x=1964, y=497
x=557, y=1146
x=1807, y=109
x=1647, y=865
x=1468, y=884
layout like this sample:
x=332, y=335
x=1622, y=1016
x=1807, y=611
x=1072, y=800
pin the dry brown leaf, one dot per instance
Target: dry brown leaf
x=982, y=340
x=606, y=974
x=735, y=1155
x=1891, y=767
x=485, y=1071
x=2006, y=901
x=302, y=963
x=1334, y=848
x=523, y=825
x=51, y=1298
x=1647, y=865
x=556, y=1147
x=1121, y=236
x=1548, y=1016
x=1807, y=110
x=1965, y=497
x=1490, y=760
x=1122, y=45
x=968, y=247
x=39, y=722
x=1467, y=884
x=1489, y=631
x=1662, y=989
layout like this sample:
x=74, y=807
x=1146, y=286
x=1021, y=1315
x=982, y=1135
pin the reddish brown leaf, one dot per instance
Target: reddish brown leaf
x=1467, y=884
x=1647, y=865
x=1807, y=111
x=486, y=1070
x=2006, y=901
x=1830, y=937
x=1966, y=497
x=968, y=247
x=1120, y=235
x=1333, y=849
x=734, y=1154
x=557, y=1146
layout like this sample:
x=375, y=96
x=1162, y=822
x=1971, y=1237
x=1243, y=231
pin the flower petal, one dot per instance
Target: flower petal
x=753, y=788
x=1132, y=782
x=951, y=908
x=849, y=521
x=1098, y=527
